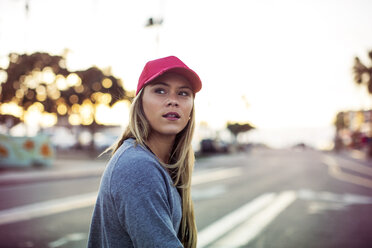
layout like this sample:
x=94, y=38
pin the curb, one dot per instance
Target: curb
x=355, y=156
x=53, y=174
x=15, y=178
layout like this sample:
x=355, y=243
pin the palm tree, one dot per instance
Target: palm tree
x=236, y=128
x=363, y=75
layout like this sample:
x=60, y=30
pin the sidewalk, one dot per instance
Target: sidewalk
x=356, y=156
x=64, y=167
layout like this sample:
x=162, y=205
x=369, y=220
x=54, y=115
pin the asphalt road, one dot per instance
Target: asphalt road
x=260, y=198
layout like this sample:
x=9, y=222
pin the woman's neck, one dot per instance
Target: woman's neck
x=161, y=146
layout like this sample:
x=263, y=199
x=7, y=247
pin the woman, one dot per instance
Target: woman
x=144, y=198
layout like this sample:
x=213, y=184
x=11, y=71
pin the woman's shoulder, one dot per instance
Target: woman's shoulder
x=132, y=158
x=130, y=152
x=136, y=168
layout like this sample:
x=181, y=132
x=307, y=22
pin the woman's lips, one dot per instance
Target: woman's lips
x=172, y=116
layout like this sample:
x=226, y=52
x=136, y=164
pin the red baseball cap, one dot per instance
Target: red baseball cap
x=158, y=67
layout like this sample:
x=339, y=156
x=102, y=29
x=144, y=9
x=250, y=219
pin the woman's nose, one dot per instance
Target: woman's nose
x=172, y=101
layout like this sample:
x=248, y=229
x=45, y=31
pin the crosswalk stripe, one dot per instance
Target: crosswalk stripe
x=222, y=226
x=246, y=232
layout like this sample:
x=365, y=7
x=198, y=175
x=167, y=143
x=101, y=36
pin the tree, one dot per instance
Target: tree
x=362, y=73
x=44, y=79
x=236, y=128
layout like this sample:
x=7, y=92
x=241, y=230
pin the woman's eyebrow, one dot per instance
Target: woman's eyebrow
x=185, y=87
x=161, y=83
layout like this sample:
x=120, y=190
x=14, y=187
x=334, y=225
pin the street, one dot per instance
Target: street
x=258, y=198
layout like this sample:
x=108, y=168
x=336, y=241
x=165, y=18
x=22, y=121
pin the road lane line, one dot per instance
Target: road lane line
x=335, y=171
x=211, y=192
x=41, y=209
x=46, y=208
x=348, y=199
x=210, y=176
x=73, y=237
x=357, y=154
x=226, y=223
x=246, y=232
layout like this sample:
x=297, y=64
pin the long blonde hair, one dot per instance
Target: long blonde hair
x=180, y=167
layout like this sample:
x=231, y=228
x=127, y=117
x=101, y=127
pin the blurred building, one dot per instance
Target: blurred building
x=354, y=131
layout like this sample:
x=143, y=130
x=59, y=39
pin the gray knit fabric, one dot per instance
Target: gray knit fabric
x=137, y=204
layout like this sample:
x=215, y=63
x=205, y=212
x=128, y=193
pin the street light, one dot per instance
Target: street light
x=155, y=23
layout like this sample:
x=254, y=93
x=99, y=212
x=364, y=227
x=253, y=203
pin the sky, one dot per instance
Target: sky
x=283, y=66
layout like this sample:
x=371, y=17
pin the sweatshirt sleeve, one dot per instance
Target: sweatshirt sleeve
x=140, y=195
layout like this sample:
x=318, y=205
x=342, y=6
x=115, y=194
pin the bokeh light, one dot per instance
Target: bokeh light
x=4, y=61
x=74, y=119
x=48, y=120
x=62, y=109
x=103, y=115
x=106, y=83
x=11, y=108
x=48, y=75
x=73, y=80
x=61, y=82
x=3, y=76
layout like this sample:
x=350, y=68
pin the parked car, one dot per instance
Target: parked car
x=213, y=146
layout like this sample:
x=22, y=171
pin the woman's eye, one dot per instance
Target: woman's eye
x=160, y=91
x=184, y=93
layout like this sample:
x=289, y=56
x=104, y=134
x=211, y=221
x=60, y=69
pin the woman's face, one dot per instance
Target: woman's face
x=167, y=103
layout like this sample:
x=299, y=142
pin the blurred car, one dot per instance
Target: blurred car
x=104, y=140
x=299, y=147
x=208, y=146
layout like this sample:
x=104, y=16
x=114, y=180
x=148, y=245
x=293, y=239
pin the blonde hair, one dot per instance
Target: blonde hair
x=180, y=167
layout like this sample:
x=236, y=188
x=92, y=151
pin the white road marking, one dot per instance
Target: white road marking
x=335, y=171
x=357, y=154
x=246, y=232
x=46, y=208
x=239, y=228
x=222, y=226
x=355, y=167
x=67, y=239
x=199, y=194
x=348, y=199
x=322, y=201
x=214, y=175
x=321, y=207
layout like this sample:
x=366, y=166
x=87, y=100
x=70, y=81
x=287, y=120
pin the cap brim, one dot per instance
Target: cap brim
x=189, y=74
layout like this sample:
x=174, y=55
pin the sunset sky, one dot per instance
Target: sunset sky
x=280, y=65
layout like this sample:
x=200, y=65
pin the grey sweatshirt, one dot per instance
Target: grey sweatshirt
x=137, y=204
